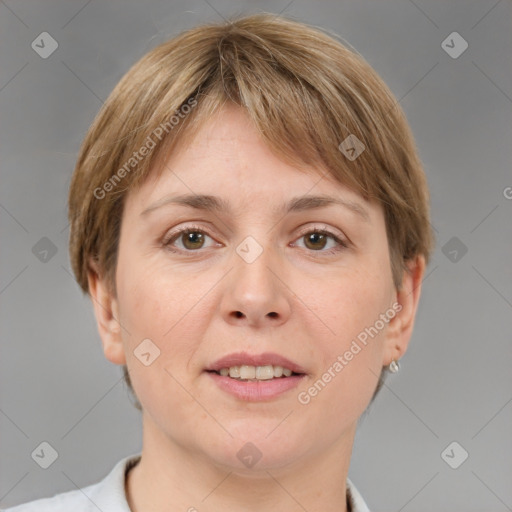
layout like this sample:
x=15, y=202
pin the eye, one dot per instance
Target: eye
x=316, y=239
x=191, y=238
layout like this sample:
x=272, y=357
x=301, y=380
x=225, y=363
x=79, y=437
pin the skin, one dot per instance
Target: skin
x=186, y=303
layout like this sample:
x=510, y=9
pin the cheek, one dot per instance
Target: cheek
x=353, y=302
x=352, y=308
x=164, y=306
x=154, y=308
x=150, y=299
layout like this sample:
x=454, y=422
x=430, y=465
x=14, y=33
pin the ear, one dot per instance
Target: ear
x=400, y=327
x=106, y=310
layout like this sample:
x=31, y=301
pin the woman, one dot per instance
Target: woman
x=251, y=220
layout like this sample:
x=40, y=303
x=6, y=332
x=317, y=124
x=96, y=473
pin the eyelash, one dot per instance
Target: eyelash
x=172, y=237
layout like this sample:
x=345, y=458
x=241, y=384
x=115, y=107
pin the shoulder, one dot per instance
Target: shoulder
x=108, y=494
x=70, y=500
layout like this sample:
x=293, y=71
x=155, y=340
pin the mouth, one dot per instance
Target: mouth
x=255, y=377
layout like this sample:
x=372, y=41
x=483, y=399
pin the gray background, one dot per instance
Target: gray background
x=455, y=381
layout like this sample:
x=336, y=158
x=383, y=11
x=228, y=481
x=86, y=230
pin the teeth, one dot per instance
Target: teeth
x=265, y=372
x=278, y=371
x=246, y=372
x=234, y=372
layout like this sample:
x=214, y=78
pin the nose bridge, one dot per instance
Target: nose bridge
x=257, y=246
x=254, y=292
x=253, y=260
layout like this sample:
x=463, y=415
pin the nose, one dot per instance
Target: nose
x=255, y=292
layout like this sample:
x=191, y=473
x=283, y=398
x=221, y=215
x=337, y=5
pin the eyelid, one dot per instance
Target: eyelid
x=322, y=227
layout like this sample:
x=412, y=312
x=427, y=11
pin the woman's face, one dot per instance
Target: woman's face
x=251, y=278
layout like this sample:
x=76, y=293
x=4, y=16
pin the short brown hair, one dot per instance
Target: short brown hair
x=305, y=91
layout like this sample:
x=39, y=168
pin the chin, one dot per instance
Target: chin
x=255, y=446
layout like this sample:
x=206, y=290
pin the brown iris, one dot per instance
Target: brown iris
x=315, y=237
x=194, y=238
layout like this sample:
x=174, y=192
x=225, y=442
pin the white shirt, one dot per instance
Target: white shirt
x=109, y=495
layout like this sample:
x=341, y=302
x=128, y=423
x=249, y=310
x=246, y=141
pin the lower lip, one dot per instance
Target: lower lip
x=256, y=391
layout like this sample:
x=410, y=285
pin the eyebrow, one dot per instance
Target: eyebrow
x=297, y=204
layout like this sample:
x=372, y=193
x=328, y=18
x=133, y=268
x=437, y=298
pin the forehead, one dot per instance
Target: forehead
x=228, y=158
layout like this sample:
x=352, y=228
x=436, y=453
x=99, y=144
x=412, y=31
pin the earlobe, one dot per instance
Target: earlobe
x=106, y=311
x=400, y=328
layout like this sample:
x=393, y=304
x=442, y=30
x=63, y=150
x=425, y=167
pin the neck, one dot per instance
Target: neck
x=169, y=477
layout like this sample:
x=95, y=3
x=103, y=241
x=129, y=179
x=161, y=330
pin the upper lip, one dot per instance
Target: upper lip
x=243, y=358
